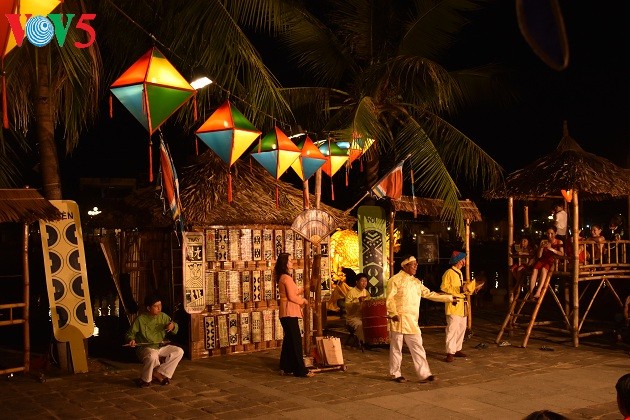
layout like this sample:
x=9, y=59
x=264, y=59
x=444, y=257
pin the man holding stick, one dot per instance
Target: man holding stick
x=404, y=292
x=147, y=334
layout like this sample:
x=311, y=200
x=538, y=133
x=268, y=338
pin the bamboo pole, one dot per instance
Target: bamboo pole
x=576, y=271
x=526, y=216
x=26, y=295
x=467, y=274
x=392, y=217
x=307, y=341
x=510, y=241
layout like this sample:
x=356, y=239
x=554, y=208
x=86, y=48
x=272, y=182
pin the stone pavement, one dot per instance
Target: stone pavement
x=496, y=382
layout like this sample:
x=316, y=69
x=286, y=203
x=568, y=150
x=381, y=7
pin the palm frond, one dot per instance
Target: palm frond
x=437, y=20
x=432, y=175
x=463, y=156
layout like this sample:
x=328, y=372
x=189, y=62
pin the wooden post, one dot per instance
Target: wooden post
x=305, y=195
x=526, y=216
x=576, y=271
x=307, y=341
x=392, y=217
x=467, y=274
x=26, y=297
x=510, y=241
x=316, y=282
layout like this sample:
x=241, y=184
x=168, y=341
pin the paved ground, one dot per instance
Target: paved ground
x=496, y=382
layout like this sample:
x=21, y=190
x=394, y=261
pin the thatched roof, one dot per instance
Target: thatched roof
x=568, y=167
x=433, y=207
x=204, y=196
x=25, y=205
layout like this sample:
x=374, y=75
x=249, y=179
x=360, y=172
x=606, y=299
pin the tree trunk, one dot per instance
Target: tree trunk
x=45, y=129
x=372, y=167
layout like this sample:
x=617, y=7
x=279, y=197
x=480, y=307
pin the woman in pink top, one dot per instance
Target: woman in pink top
x=291, y=302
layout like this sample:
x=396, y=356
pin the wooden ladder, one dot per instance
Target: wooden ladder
x=516, y=310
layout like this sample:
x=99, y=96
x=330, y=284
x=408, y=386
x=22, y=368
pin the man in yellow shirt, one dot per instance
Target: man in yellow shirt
x=456, y=313
x=354, y=298
x=404, y=292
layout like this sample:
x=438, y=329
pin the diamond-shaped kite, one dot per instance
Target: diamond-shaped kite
x=276, y=152
x=310, y=160
x=152, y=90
x=229, y=134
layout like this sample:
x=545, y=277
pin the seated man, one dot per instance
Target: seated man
x=354, y=298
x=147, y=334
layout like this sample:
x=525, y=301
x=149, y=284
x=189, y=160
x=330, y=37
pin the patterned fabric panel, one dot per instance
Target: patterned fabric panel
x=193, y=272
x=289, y=242
x=256, y=327
x=222, y=327
x=267, y=239
x=233, y=329
x=299, y=248
x=246, y=245
x=257, y=244
x=234, y=237
x=278, y=242
x=246, y=331
x=301, y=325
x=247, y=286
x=268, y=285
x=211, y=254
x=222, y=244
x=267, y=325
x=298, y=276
x=210, y=288
x=208, y=323
x=256, y=286
x=234, y=281
x=325, y=263
x=278, y=325
x=223, y=286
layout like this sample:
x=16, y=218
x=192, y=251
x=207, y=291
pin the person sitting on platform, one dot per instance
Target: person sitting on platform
x=548, y=251
x=526, y=252
x=147, y=333
x=354, y=299
x=598, y=239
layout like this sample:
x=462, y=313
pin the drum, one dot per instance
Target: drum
x=374, y=318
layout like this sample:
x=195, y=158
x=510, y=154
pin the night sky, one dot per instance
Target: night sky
x=591, y=94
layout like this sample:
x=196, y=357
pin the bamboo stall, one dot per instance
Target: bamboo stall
x=23, y=206
x=587, y=177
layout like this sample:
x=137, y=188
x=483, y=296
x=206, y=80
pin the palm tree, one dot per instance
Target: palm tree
x=54, y=92
x=377, y=74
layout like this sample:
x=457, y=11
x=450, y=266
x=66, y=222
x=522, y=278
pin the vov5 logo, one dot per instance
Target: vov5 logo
x=40, y=30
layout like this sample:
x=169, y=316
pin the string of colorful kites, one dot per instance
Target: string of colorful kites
x=152, y=90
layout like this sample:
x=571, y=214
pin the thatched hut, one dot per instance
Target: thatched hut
x=221, y=273
x=587, y=177
x=23, y=206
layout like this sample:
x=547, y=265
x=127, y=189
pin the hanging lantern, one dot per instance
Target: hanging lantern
x=567, y=194
x=229, y=134
x=309, y=161
x=276, y=153
x=8, y=41
x=152, y=90
x=336, y=157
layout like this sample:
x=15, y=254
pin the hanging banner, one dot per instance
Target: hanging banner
x=194, y=282
x=372, y=237
x=66, y=281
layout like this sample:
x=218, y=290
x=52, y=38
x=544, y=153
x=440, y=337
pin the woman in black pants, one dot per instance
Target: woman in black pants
x=291, y=302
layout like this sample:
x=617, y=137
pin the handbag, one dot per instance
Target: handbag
x=329, y=350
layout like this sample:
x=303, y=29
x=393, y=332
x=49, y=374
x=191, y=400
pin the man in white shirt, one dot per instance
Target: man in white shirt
x=404, y=292
x=560, y=221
